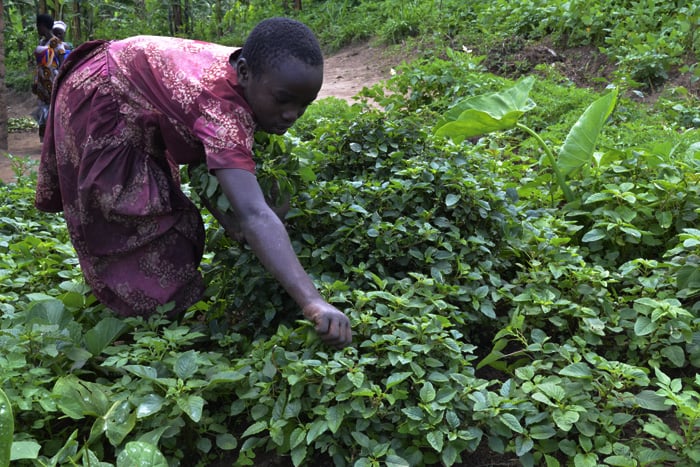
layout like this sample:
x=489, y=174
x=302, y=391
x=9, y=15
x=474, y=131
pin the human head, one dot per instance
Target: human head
x=44, y=24
x=59, y=29
x=280, y=68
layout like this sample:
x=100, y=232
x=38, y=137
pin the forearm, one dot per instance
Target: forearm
x=268, y=239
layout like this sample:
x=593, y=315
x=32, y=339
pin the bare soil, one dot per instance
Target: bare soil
x=345, y=74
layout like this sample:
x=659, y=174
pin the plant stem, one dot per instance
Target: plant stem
x=568, y=194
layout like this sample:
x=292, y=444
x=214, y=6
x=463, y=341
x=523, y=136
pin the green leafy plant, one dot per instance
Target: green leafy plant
x=501, y=111
x=7, y=429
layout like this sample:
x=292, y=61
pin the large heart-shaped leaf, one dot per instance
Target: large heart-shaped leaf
x=479, y=115
x=577, y=150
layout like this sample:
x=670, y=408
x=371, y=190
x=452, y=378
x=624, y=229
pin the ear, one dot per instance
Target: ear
x=243, y=71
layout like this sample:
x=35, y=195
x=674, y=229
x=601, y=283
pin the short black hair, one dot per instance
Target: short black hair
x=45, y=19
x=275, y=39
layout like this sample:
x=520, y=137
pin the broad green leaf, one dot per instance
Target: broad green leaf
x=664, y=218
x=297, y=437
x=362, y=439
x=688, y=277
x=186, y=364
x=620, y=461
x=356, y=378
x=25, y=450
x=593, y=235
x=78, y=399
x=449, y=455
x=254, y=429
x=542, y=431
x=298, y=455
x=427, y=392
x=644, y=326
x=334, y=417
x=118, y=422
x=484, y=114
x=586, y=460
x=649, y=400
x=392, y=460
x=192, y=405
x=140, y=454
x=414, y=413
x=436, y=440
x=552, y=390
x=103, y=334
x=523, y=446
x=539, y=397
x=577, y=150
x=565, y=419
x=451, y=199
x=577, y=370
x=142, y=371
x=317, y=428
x=153, y=436
x=148, y=405
x=675, y=354
x=511, y=422
x=226, y=377
x=397, y=378
x=490, y=359
x=90, y=459
x=7, y=429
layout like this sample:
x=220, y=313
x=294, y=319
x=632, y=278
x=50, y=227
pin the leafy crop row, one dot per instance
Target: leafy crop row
x=490, y=312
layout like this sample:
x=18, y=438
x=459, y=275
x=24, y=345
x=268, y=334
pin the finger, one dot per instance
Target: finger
x=322, y=325
x=334, y=328
x=343, y=336
x=347, y=333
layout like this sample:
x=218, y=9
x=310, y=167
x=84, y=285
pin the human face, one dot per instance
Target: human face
x=58, y=32
x=278, y=97
x=44, y=31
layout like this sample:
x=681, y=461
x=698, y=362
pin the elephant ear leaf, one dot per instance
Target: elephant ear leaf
x=577, y=150
x=487, y=113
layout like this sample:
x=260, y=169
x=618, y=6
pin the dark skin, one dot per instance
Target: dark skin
x=44, y=31
x=278, y=98
x=60, y=33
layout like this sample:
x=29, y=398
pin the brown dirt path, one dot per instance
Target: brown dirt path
x=345, y=74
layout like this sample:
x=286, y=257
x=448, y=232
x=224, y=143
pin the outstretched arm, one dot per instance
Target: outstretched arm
x=267, y=237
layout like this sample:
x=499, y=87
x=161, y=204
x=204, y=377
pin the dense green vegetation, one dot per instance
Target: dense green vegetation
x=498, y=308
x=645, y=39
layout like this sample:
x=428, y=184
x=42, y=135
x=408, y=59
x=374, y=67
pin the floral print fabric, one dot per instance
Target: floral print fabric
x=124, y=115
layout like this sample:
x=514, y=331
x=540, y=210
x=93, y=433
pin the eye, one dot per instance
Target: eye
x=281, y=100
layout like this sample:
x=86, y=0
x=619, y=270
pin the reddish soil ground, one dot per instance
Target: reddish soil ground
x=345, y=74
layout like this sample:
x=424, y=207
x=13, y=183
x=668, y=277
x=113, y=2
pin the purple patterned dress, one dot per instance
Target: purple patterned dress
x=124, y=115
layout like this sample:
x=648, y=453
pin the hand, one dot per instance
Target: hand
x=332, y=326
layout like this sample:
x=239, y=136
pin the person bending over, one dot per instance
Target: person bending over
x=126, y=113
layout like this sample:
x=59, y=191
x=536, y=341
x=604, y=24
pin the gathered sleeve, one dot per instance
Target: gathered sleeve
x=202, y=114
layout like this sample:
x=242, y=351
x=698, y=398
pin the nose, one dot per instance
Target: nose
x=292, y=114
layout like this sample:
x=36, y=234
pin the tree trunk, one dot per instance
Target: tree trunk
x=3, y=90
x=76, y=34
x=176, y=17
x=218, y=18
x=187, y=17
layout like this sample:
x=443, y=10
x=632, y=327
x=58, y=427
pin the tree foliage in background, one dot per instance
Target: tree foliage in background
x=647, y=40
